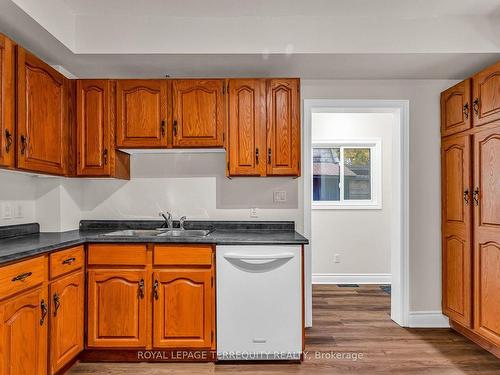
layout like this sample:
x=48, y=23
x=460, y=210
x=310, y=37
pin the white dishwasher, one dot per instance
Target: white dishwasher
x=259, y=302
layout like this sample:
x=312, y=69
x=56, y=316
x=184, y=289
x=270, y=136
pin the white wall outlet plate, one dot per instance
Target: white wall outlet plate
x=7, y=210
x=253, y=213
x=336, y=258
x=279, y=196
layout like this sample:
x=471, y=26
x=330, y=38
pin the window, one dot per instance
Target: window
x=346, y=175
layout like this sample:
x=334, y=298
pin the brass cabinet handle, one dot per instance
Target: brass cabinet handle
x=175, y=128
x=57, y=303
x=466, y=197
x=466, y=110
x=68, y=261
x=24, y=144
x=22, y=276
x=43, y=307
x=257, y=155
x=475, y=196
x=475, y=106
x=105, y=156
x=8, y=136
x=155, y=289
x=162, y=128
x=141, y=289
x=269, y=153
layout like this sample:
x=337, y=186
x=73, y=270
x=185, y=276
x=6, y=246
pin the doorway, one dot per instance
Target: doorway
x=350, y=178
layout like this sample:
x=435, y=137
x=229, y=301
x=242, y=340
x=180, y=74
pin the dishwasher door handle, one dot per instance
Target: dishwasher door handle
x=258, y=259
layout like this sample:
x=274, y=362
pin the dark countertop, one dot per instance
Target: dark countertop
x=27, y=245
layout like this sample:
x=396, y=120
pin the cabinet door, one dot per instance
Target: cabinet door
x=66, y=320
x=183, y=309
x=141, y=107
x=247, y=127
x=94, y=128
x=116, y=308
x=23, y=334
x=198, y=110
x=456, y=228
x=7, y=114
x=487, y=234
x=42, y=116
x=456, y=111
x=486, y=92
x=283, y=127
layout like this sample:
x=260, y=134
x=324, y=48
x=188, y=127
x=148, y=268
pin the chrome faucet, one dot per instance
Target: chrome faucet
x=181, y=222
x=168, y=220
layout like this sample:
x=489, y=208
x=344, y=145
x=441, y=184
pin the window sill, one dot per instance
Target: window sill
x=346, y=206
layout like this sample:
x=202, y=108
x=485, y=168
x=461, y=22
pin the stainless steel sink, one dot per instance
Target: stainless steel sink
x=135, y=233
x=185, y=233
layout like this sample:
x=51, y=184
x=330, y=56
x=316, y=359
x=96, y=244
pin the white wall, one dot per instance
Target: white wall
x=362, y=238
x=17, y=190
x=425, y=195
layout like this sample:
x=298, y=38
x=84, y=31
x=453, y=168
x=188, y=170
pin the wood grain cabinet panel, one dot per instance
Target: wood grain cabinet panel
x=457, y=229
x=66, y=320
x=117, y=308
x=487, y=234
x=183, y=309
x=7, y=107
x=141, y=113
x=198, y=113
x=42, y=116
x=23, y=334
x=283, y=126
x=247, y=127
x=486, y=94
x=456, y=111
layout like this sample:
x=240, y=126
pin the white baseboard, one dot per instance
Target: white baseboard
x=427, y=319
x=351, y=278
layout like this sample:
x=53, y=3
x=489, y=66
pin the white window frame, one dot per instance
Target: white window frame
x=375, y=146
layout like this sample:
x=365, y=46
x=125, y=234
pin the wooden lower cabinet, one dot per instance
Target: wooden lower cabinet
x=23, y=333
x=67, y=301
x=116, y=308
x=183, y=308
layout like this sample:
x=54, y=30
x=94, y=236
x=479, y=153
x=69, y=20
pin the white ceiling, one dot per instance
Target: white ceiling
x=313, y=39
x=269, y=8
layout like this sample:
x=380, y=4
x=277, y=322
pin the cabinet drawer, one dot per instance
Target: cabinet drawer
x=21, y=276
x=117, y=254
x=66, y=261
x=182, y=255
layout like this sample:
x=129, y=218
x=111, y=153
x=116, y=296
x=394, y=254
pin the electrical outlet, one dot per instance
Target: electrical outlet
x=7, y=210
x=253, y=213
x=280, y=196
x=336, y=258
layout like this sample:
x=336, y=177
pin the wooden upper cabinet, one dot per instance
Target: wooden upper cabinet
x=198, y=113
x=117, y=301
x=141, y=119
x=457, y=229
x=96, y=154
x=7, y=107
x=66, y=320
x=487, y=234
x=486, y=94
x=456, y=111
x=23, y=334
x=283, y=127
x=42, y=116
x=183, y=309
x=247, y=127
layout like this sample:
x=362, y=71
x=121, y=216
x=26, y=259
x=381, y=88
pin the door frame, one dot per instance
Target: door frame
x=400, y=290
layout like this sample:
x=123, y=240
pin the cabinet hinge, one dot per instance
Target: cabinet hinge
x=212, y=281
x=223, y=90
x=212, y=337
x=223, y=137
x=227, y=165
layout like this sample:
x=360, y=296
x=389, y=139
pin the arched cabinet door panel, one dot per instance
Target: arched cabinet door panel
x=486, y=95
x=183, y=309
x=456, y=110
x=42, y=116
x=116, y=308
x=457, y=198
x=7, y=103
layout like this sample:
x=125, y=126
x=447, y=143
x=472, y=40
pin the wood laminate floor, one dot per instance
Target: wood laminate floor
x=346, y=320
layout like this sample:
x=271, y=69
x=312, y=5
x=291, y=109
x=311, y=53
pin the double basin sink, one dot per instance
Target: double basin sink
x=161, y=232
